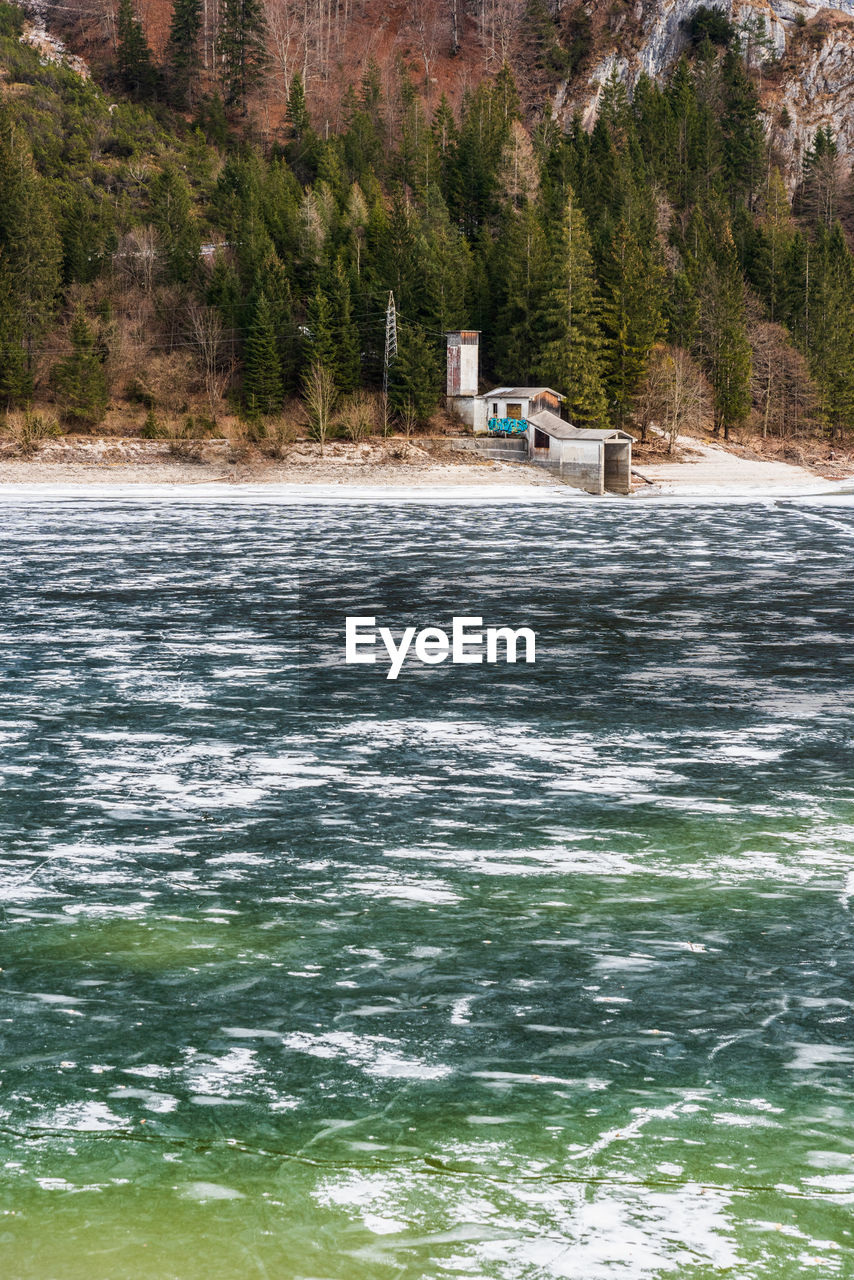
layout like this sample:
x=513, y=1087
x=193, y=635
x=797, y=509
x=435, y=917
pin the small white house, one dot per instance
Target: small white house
x=519, y=403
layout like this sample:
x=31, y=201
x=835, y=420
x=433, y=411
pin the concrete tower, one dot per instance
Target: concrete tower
x=462, y=362
x=461, y=389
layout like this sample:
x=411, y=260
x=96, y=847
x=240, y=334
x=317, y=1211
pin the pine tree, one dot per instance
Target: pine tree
x=417, y=164
x=30, y=259
x=297, y=111
x=345, y=332
x=280, y=202
x=571, y=347
x=681, y=120
x=517, y=268
x=831, y=328
x=182, y=49
x=632, y=315
x=473, y=177
x=821, y=187
x=446, y=264
x=241, y=45
x=778, y=232
x=415, y=381
x=172, y=215
x=394, y=246
x=277, y=291
x=683, y=310
x=723, y=339
x=238, y=201
x=262, y=374
x=80, y=380
x=321, y=347
x=136, y=65
x=87, y=229
x=444, y=130
x=224, y=292
x=743, y=135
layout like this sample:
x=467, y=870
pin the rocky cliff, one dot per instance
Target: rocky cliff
x=803, y=53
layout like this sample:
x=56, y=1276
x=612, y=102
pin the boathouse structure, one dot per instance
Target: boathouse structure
x=524, y=424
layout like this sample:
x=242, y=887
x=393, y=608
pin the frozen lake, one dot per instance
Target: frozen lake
x=510, y=973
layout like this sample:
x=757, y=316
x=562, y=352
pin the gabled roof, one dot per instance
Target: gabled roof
x=560, y=430
x=524, y=393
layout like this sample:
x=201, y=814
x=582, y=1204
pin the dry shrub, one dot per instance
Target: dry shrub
x=187, y=450
x=282, y=431
x=170, y=376
x=358, y=416
x=29, y=431
x=214, y=353
x=239, y=437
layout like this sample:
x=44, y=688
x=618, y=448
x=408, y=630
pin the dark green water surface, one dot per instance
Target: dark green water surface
x=504, y=972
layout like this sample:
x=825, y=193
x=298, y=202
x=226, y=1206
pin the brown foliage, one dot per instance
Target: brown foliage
x=785, y=399
x=675, y=397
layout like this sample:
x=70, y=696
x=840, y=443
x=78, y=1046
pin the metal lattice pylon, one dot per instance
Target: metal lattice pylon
x=390, y=339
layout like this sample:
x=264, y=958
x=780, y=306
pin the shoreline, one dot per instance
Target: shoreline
x=461, y=494
x=390, y=470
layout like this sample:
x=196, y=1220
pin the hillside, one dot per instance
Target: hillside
x=564, y=51
x=172, y=260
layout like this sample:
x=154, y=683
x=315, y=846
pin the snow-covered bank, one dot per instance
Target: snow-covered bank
x=711, y=471
x=253, y=494
x=294, y=494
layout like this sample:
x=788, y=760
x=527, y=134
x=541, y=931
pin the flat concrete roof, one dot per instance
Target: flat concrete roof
x=555, y=426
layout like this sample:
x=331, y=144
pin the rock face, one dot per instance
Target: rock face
x=805, y=58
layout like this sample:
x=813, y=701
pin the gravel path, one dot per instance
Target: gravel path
x=710, y=470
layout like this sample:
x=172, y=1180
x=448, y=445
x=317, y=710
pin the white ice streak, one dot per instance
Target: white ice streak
x=375, y=1055
x=85, y=1117
x=527, y=1227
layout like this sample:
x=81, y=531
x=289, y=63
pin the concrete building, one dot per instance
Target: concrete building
x=519, y=403
x=596, y=461
x=528, y=420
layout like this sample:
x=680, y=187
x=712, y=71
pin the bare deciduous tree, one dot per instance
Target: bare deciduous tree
x=289, y=39
x=135, y=258
x=320, y=395
x=822, y=191
x=426, y=22
x=206, y=332
x=408, y=416
x=498, y=25
x=454, y=12
x=675, y=397
x=785, y=398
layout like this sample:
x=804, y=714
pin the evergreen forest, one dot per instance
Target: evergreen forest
x=157, y=260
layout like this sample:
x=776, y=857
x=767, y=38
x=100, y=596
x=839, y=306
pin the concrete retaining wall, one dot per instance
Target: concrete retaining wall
x=581, y=463
x=591, y=465
x=506, y=450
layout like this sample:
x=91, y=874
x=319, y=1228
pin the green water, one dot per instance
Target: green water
x=540, y=973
